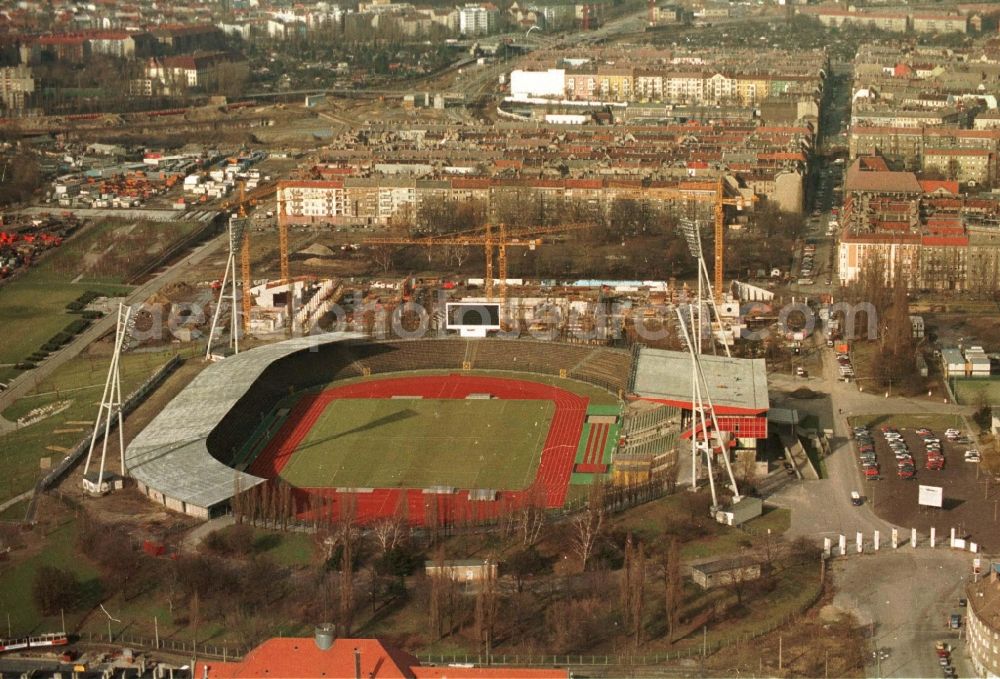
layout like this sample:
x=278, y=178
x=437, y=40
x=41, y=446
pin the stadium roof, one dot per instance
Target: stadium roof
x=171, y=454
x=735, y=385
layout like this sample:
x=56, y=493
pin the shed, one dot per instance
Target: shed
x=721, y=572
x=462, y=570
x=741, y=512
x=952, y=362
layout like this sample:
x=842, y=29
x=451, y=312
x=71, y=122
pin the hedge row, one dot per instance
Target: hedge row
x=83, y=300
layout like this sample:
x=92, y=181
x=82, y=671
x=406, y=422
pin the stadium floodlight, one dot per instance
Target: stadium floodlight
x=691, y=231
x=692, y=235
x=111, y=401
x=701, y=404
x=237, y=226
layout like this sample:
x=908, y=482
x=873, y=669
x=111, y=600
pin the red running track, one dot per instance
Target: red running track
x=551, y=480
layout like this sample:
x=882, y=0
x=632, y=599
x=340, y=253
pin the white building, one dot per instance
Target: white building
x=550, y=83
x=478, y=19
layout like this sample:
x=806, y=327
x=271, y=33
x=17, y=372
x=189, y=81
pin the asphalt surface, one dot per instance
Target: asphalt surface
x=906, y=597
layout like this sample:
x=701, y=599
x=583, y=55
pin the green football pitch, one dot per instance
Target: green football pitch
x=418, y=443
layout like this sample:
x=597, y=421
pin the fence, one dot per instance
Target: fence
x=131, y=403
x=178, y=646
x=625, y=660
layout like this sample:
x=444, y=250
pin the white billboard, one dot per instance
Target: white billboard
x=472, y=319
x=931, y=496
x=550, y=83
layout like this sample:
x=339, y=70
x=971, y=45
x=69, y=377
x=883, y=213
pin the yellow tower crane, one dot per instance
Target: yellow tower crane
x=720, y=202
x=489, y=241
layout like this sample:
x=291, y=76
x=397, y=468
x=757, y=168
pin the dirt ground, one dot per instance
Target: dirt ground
x=971, y=328
x=823, y=642
x=130, y=506
x=971, y=496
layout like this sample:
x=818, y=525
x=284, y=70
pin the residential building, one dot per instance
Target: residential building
x=982, y=619
x=939, y=23
x=478, y=19
x=16, y=87
x=177, y=74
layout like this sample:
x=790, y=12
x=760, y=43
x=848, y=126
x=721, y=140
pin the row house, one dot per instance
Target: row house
x=917, y=231
x=965, y=165
x=382, y=201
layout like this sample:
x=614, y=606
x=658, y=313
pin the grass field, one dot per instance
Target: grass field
x=101, y=258
x=16, y=581
x=975, y=391
x=936, y=423
x=81, y=382
x=417, y=443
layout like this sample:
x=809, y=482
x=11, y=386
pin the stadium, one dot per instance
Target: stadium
x=440, y=430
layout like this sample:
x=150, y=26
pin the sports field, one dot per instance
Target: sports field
x=422, y=442
x=977, y=390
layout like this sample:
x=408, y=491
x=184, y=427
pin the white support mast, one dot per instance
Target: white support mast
x=701, y=401
x=111, y=403
x=236, y=228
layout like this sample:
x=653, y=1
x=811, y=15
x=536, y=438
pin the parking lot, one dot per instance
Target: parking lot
x=969, y=505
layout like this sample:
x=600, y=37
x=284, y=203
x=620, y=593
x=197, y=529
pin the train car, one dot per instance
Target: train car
x=51, y=639
x=13, y=644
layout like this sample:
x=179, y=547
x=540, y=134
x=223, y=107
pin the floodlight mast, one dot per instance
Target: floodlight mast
x=111, y=399
x=236, y=228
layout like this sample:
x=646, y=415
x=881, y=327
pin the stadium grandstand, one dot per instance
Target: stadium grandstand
x=223, y=432
x=736, y=386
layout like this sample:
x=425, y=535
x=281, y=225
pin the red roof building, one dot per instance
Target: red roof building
x=303, y=658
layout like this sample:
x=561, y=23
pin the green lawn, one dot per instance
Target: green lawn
x=16, y=581
x=81, y=382
x=936, y=423
x=102, y=258
x=33, y=311
x=974, y=391
x=417, y=443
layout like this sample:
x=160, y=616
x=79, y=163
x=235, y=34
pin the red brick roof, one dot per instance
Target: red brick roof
x=301, y=658
x=932, y=185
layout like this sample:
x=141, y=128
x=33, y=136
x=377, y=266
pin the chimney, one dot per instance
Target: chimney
x=324, y=636
x=357, y=663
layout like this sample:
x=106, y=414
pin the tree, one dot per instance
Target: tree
x=486, y=611
x=673, y=585
x=586, y=528
x=54, y=589
x=389, y=531
x=532, y=515
x=523, y=564
x=633, y=588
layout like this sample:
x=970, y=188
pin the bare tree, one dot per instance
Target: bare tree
x=486, y=611
x=672, y=582
x=586, y=528
x=532, y=515
x=389, y=532
x=383, y=254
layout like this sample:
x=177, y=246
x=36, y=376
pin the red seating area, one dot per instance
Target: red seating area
x=551, y=481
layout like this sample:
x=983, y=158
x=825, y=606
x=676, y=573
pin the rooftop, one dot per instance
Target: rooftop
x=734, y=384
x=301, y=658
x=171, y=454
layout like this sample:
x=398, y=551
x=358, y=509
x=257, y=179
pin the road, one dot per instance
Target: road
x=905, y=597
x=27, y=381
x=904, y=594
